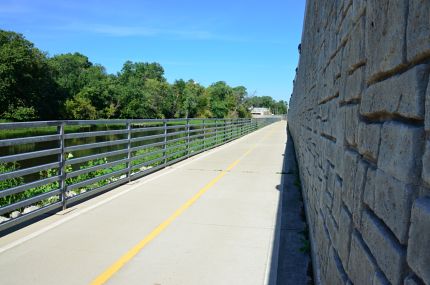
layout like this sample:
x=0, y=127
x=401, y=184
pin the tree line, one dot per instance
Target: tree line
x=35, y=86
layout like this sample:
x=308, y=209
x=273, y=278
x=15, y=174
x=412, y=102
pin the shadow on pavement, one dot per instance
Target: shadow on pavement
x=291, y=263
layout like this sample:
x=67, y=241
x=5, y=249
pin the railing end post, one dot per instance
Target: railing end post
x=62, y=163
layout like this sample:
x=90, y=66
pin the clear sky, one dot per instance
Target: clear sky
x=243, y=42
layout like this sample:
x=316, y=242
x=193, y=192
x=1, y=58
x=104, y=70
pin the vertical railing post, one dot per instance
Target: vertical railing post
x=231, y=128
x=204, y=134
x=216, y=132
x=226, y=130
x=165, y=142
x=128, y=163
x=234, y=129
x=62, y=169
x=223, y=131
x=247, y=124
x=188, y=137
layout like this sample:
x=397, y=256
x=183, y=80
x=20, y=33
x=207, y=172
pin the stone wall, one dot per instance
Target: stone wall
x=360, y=120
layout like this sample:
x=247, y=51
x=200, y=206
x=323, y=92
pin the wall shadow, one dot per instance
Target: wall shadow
x=291, y=262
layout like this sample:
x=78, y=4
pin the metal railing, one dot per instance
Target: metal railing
x=46, y=166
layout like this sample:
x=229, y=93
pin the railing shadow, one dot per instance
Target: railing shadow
x=290, y=262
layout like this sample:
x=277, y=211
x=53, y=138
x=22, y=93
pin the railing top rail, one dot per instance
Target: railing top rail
x=15, y=125
x=21, y=125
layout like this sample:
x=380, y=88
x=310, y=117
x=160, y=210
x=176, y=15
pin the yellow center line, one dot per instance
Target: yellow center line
x=123, y=260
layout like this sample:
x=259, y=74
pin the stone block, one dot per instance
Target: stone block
x=335, y=273
x=344, y=235
x=427, y=107
x=351, y=124
x=402, y=95
x=354, y=52
x=385, y=35
x=331, y=227
x=419, y=239
x=369, y=137
x=353, y=85
x=370, y=188
x=327, y=199
x=393, y=202
x=338, y=162
x=418, y=29
x=426, y=164
x=331, y=177
x=357, y=197
x=389, y=254
x=379, y=279
x=337, y=199
x=323, y=242
x=345, y=24
x=350, y=169
x=401, y=150
x=361, y=265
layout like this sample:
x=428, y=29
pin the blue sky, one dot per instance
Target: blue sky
x=244, y=42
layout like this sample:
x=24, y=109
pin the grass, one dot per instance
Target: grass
x=39, y=131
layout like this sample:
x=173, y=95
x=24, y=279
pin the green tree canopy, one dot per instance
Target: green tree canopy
x=69, y=86
x=26, y=81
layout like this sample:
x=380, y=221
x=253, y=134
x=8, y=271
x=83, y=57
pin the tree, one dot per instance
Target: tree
x=69, y=71
x=26, y=82
x=188, y=98
x=139, y=72
x=220, y=99
x=80, y=108
x=69, y=86
x=193, y=99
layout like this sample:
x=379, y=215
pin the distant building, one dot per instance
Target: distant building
x=256, y=112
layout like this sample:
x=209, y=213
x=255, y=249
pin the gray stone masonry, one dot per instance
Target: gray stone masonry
x=401, y=151
x=389, y=254
x=419, y=242
x=426, y=164
x=360, y=120
x=418, y=30
x=369, y=137
x=361, y=266
x=385, y=35
x=400, y=95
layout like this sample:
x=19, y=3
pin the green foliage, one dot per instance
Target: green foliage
x=25, y=79
x=20, y=113
x=69, y=86
x=80, y=108
x=70, y=72
x=9, y=183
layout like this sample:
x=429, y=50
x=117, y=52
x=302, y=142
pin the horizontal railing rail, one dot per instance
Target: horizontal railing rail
x=46, y=166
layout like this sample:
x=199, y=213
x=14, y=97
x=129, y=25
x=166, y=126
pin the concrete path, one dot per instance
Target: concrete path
x=207, y=220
